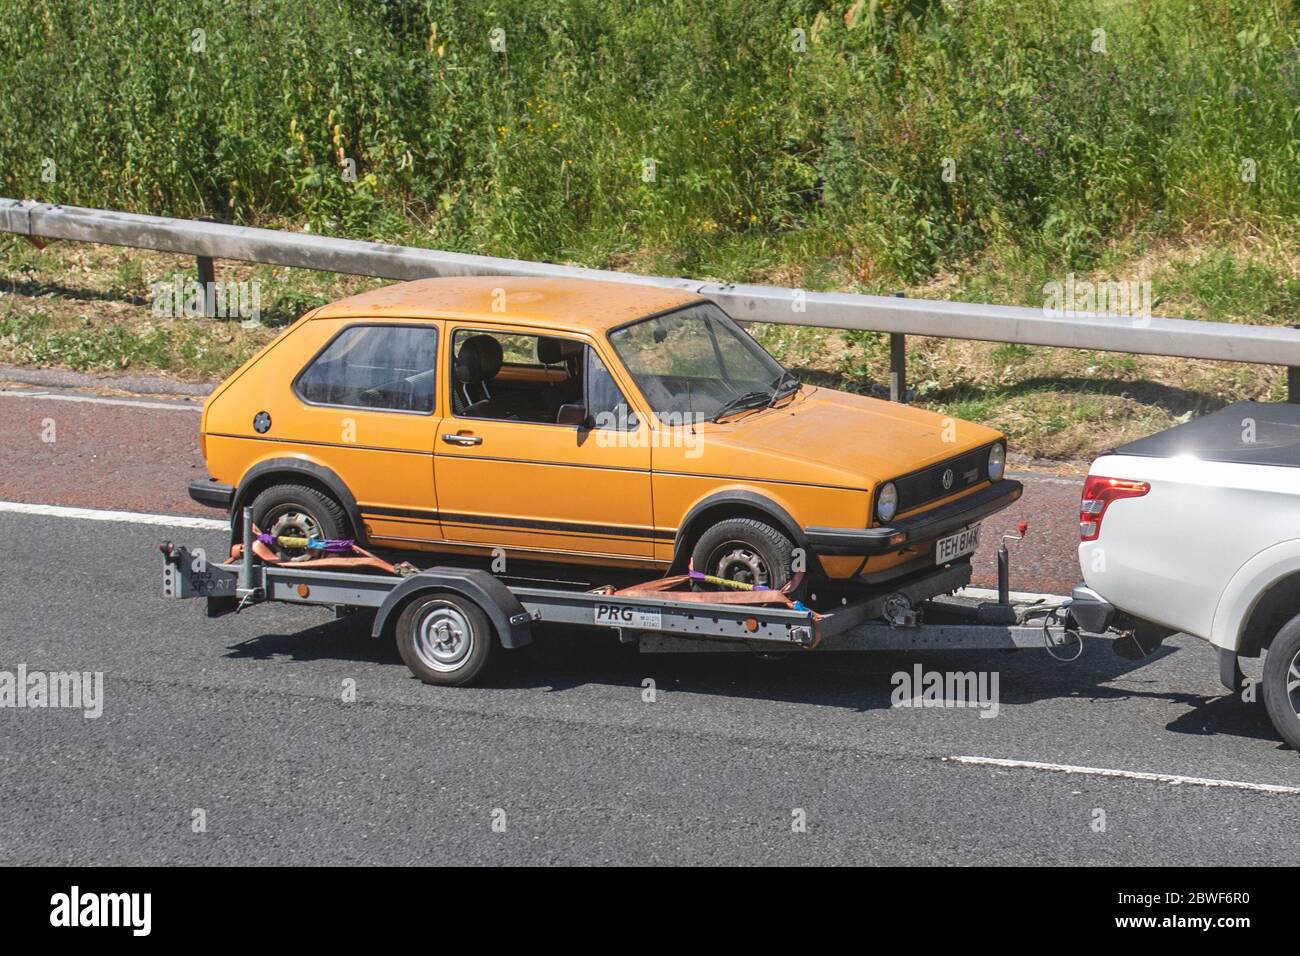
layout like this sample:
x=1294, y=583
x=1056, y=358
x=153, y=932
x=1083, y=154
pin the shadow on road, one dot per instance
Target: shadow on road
x=561, y=660
x=1228, y=715
x=345, y=639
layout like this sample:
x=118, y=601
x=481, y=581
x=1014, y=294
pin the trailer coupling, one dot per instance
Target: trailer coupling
x=1089, y=612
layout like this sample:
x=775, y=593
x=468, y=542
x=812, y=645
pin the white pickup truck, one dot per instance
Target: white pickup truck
x=1197, y=530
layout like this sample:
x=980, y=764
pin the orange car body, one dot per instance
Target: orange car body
x=439, y=481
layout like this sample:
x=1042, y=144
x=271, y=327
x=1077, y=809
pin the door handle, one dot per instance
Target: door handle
x=462, y=439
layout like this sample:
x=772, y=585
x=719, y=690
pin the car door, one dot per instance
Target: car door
x=368, y=410
x=509, y=475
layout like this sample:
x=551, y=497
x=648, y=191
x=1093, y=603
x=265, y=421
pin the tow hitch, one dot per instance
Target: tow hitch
x=1089, y=612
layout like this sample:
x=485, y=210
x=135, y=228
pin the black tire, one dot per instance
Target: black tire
x=300, y=510
x=747, y=550
x=1282, y=682
x=445, y=639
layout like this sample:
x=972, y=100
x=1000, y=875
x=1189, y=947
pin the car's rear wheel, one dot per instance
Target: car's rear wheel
x=444, y=639
x=745, y=550
x=298, y=511
x=1282, y=682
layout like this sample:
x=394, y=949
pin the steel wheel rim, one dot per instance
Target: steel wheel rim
x=738, y=561
x=1293, y=684
x=443, y=638
x=293, y=522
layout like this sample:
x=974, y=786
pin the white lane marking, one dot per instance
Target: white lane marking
x=130, y=517
x=99, y=400
x=1171, y=778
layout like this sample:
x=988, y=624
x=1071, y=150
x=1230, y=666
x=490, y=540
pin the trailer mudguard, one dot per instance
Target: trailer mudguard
x=512, y=623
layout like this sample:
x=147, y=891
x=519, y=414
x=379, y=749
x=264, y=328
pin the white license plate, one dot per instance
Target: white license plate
x=955, y=545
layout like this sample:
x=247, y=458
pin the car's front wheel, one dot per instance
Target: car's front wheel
x=745, y=550
x=1282, y=682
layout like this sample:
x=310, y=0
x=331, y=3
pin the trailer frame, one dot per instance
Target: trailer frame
x=923, y=611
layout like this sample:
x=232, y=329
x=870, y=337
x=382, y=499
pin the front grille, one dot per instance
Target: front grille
x=921, y=487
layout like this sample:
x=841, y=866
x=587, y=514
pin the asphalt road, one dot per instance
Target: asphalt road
x=244, y=718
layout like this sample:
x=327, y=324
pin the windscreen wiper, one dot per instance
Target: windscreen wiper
x=756, y=399
x=786, y=384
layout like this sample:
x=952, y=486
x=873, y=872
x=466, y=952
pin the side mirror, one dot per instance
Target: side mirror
x=575, y=414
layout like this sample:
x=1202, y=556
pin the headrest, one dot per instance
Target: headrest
x=479, y=359
x=553, y=351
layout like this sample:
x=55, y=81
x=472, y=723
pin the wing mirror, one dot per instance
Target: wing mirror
x=574, y=414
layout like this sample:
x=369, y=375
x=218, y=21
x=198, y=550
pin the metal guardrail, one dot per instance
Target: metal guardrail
x=1263, y=345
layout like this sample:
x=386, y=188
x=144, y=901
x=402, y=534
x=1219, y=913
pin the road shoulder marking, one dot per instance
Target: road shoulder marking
x=129, y=517
x=1169, y=778
x=100, y=400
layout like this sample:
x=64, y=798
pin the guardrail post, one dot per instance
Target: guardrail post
x=898, y=364
x=898, y=367
x=1293, y=381
x=207, y=279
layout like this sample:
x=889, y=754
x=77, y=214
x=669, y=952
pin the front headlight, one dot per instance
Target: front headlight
x=887, y=502
x=997, y=461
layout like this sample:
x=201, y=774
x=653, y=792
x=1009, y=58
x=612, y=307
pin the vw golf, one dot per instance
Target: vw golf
x=597, y=423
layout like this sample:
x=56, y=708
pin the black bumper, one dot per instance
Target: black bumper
x=1092, y=612
x=213, y=493
x=923, y=527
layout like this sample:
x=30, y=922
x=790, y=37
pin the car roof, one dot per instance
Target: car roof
x=575, y=305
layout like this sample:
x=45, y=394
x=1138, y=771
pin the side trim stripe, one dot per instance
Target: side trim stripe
x=322, y=444
x=571, y=527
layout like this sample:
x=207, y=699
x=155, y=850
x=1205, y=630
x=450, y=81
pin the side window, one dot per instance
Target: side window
x=390, y=367
x=607, y=406
x=514, y=376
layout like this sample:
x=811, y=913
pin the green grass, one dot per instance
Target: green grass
x=203, y=350
x=1228, y=289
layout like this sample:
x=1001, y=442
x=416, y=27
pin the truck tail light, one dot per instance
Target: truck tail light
x=1098, y=492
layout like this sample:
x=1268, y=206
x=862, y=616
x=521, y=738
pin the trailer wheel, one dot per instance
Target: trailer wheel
x=1282, y=682
x=444, y=639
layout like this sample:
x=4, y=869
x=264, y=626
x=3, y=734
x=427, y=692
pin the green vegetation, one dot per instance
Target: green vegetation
x=44, y=339
x=763, y=156
x=789, y=141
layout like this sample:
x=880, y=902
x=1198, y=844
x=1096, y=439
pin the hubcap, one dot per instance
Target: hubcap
x=443, y=638
x=1293, y=683
x=294, y=523
x=737, y=561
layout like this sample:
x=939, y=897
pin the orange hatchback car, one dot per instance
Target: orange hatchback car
x=596, y=423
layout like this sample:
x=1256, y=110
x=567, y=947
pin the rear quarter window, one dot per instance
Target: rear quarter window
x=385, y=367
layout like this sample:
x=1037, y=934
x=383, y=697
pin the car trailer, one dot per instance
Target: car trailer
x=445, y=617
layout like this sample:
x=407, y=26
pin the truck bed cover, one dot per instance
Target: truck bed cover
x=1247, y=433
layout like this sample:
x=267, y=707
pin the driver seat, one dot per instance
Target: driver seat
x=477, y=363
x=568, y=353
